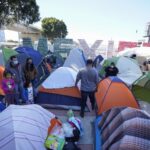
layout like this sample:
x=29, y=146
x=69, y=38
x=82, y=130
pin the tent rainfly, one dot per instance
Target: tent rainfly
x=24, y=127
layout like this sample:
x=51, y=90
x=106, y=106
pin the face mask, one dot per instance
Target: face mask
x=15, y=62
x=29, y=62
x=112, y=66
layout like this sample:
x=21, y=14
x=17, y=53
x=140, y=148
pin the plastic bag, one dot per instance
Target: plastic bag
x=57, y=131
x=77, y=123
x=70, y=113
x=68, y=129
x=54, y=142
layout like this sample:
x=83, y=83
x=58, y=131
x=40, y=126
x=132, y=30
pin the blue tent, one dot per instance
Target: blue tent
x=2, y=106
x=98, y=59
x=29, y=52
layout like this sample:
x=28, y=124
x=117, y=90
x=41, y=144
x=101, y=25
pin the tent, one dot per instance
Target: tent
x=139, y=51
x=7, y=53
x=24, y=127
x=98, y=59
x=112, y=92
x=97, y=62
x=2, y=106
x=141, y=87
x=129, y=70
x=60, y=78
x=55, y=59
x=76, y=59
x=58, y=89
x=25, y=52
x=123, y=128
x=142, y=53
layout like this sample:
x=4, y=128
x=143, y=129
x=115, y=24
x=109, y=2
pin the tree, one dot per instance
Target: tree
x=20, y=11
x=53, y=28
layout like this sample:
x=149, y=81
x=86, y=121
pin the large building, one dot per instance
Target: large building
x=19, y=31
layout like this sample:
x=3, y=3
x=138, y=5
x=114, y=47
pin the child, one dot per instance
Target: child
x=8, y=86
x=28, y=93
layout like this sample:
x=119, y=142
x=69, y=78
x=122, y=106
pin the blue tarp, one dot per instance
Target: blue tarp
x=29, y=52
x=97, y=133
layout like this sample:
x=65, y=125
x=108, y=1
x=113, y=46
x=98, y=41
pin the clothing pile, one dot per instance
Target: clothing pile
x=63, y=136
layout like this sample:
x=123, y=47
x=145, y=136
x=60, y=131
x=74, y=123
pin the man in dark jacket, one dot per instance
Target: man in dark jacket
x=15, y=68
x=89, y=80
x=111, y=70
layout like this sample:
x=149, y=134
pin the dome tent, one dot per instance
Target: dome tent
x=60, y=78
x=112, y=92
x=76, y=59
x=122, y=128
x=141, y=87
x=25, y=52
x=59, y=89
x=129, y=70
x=24, y=127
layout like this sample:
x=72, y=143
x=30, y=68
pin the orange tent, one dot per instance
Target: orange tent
x=68, y=97
x=112, y=92
x=1, y=77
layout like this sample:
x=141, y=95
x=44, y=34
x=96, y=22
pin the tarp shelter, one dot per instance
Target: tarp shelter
x=24, y=127
x=76, y=59
x=112, y=92
x=141, y=87
x=7, y=53
x=29, y=52
x=59, y=90
x=129, y=70
x=123, y=128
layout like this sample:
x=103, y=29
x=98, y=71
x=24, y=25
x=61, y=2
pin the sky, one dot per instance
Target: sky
x=99, y=19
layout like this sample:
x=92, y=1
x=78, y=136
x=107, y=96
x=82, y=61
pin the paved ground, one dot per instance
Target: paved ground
x=145, y=106
x=87, y=141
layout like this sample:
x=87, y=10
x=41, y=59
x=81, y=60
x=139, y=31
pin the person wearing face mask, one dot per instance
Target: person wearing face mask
x=16, y=70
x=30, y=72
x=111, y=70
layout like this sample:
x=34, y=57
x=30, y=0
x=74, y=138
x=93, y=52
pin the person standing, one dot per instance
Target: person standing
x=111, y=70
x=28, y=93
x=30, y=72
x=8, y=86
x=16, y=70
x=89, y=80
